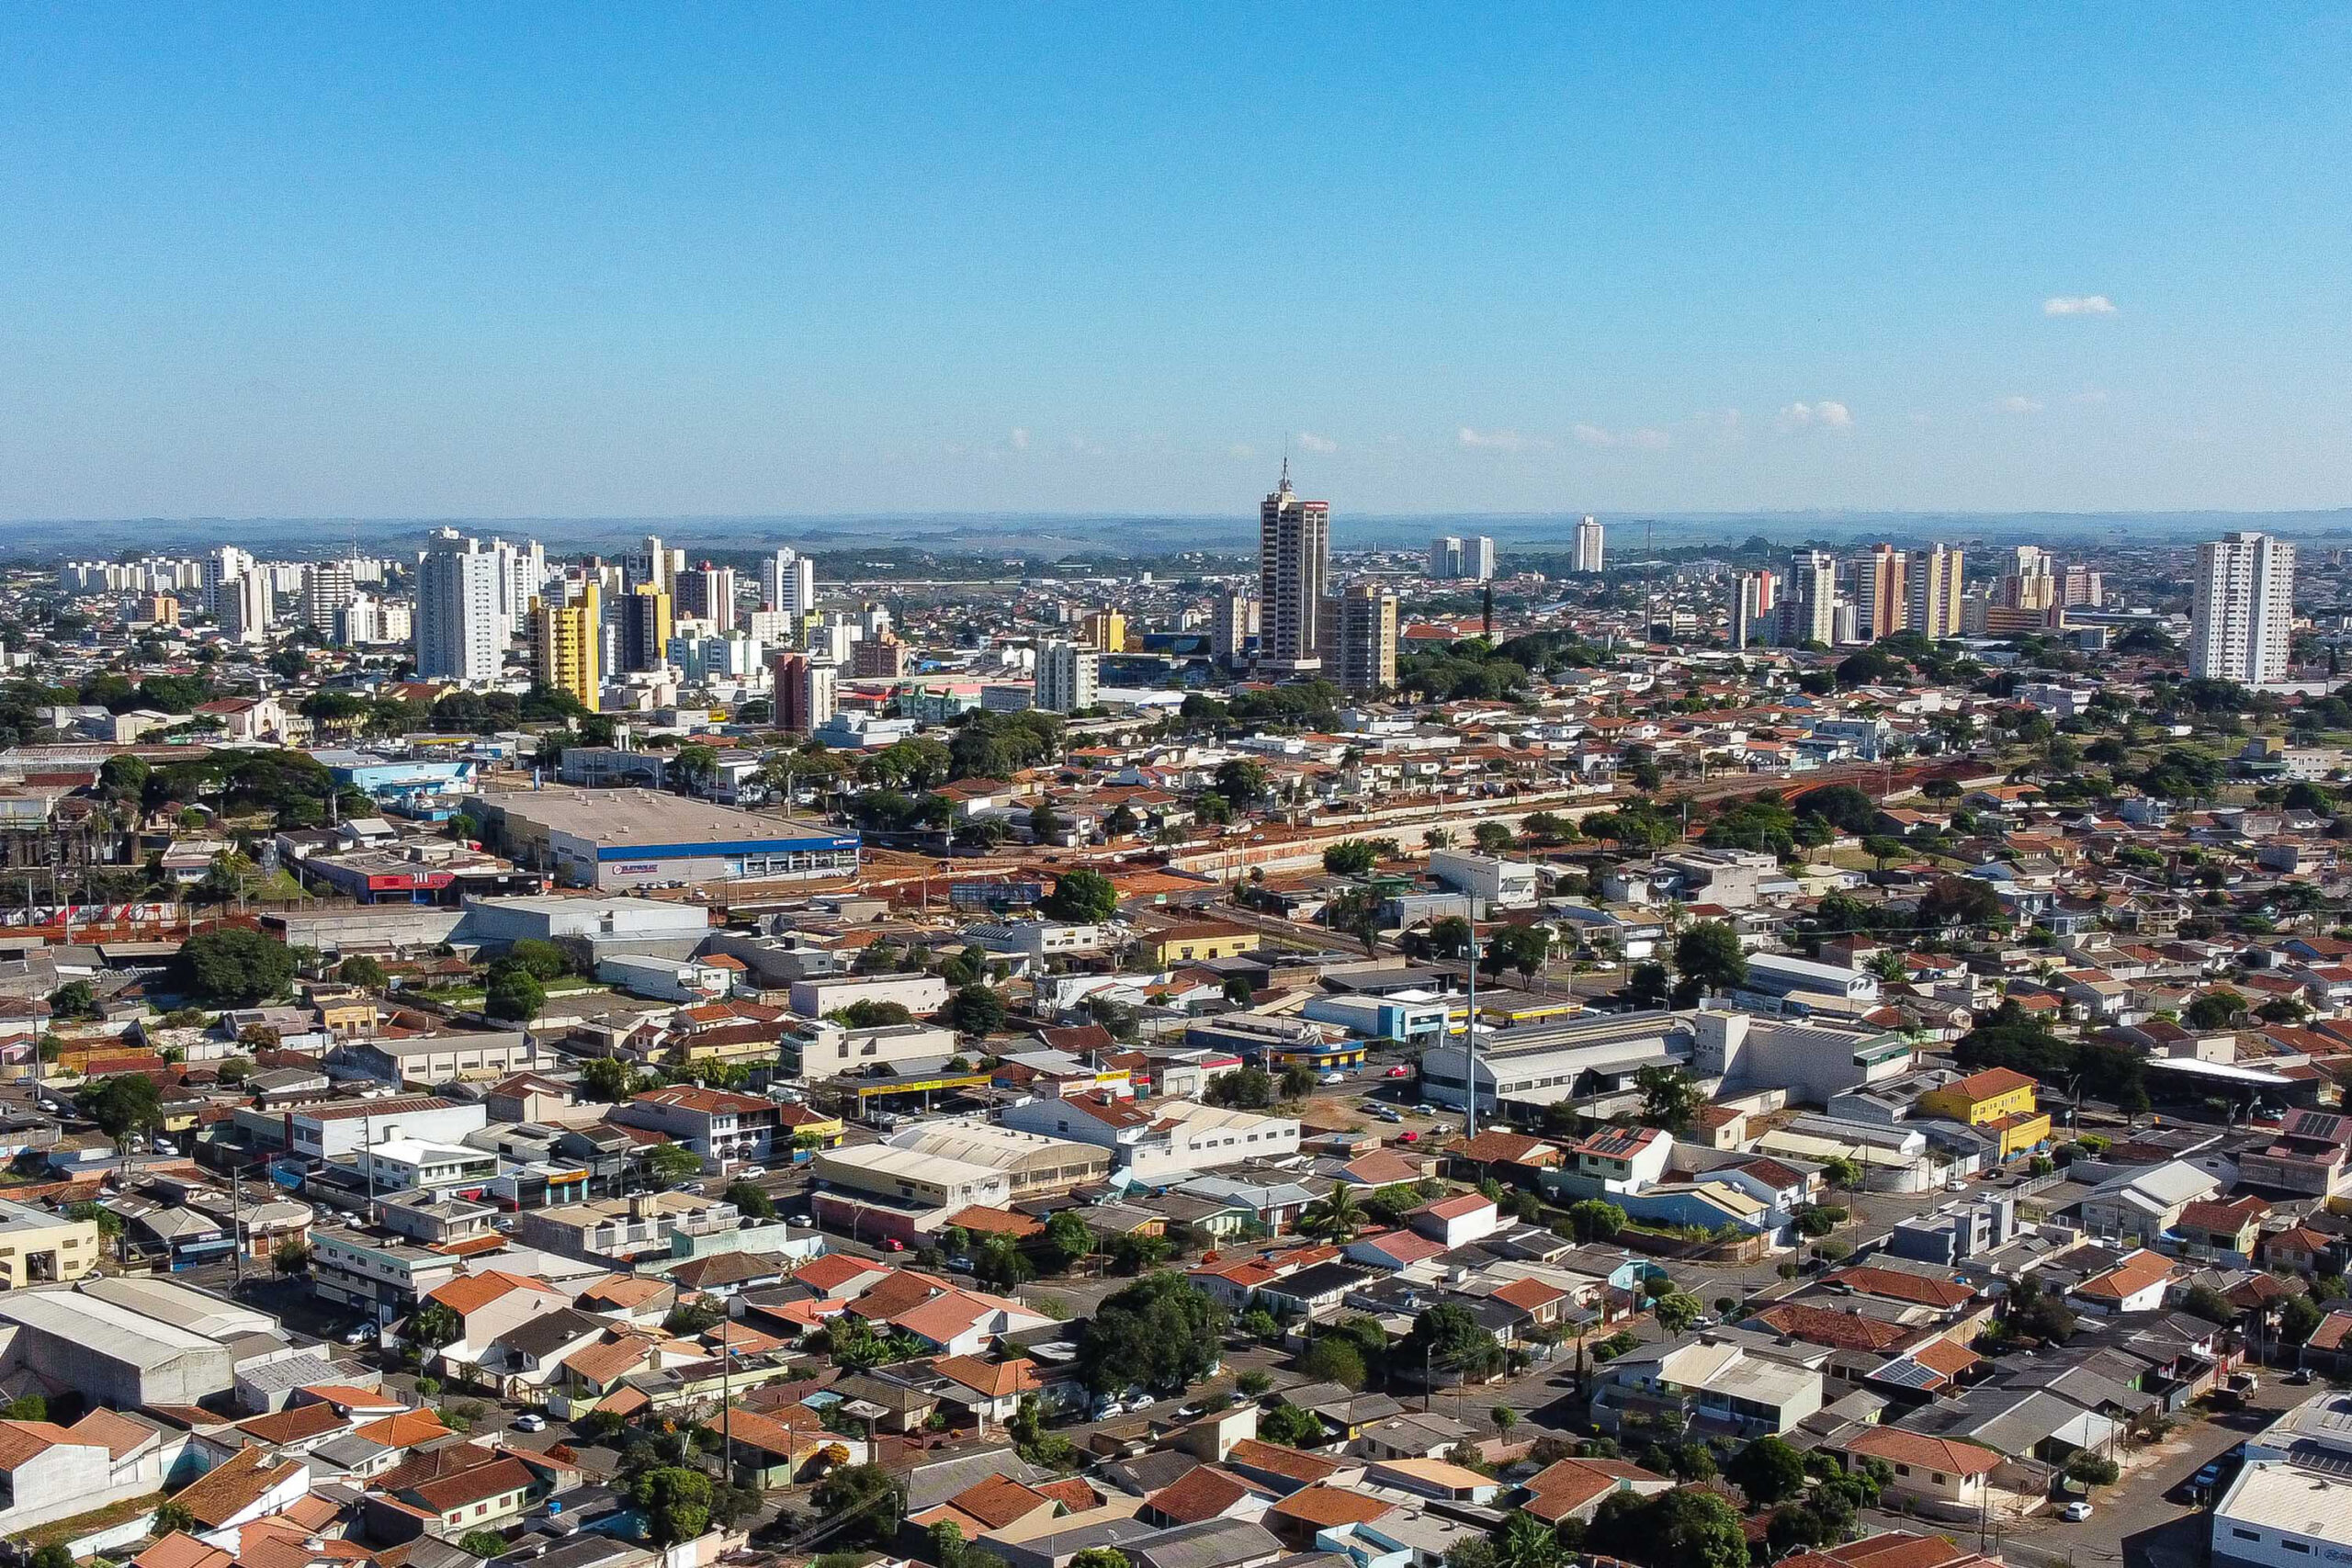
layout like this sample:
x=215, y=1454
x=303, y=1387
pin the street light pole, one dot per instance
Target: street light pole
x=1470, y=1036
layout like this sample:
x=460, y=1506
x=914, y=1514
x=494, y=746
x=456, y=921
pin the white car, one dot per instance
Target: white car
x=752, y=1172
x=360, y=1336
x=530, y=1423
x=1106, y=1411
x=1142, y=1401
x=2076, y=1512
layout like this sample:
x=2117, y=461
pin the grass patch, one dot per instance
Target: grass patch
x=59, y=1531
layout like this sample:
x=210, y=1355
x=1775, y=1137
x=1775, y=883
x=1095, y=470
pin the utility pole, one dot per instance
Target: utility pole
x=1470, y=1035
x=237, y=1221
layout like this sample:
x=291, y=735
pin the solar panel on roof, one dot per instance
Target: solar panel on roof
x=1907, y=1373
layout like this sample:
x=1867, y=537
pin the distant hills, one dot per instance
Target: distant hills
x=1048, y=535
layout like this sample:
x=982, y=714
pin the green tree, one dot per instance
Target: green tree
x=1961, y=900
x=1293, y=1426
x=1297, y=1081
x=1002, y=1265
x=607, y=1080
x=1161, y=1332
x=1350, y=857
x=863, y=1497
x=976, y=1009
x=543, y=961
x=1492, y=838
x=1083, y=897
x=1596, y=1219
x=1675, y=1312
x=675, y=1502
x=436, y=1324
x=669, y=1164
x=1336, y=1217
x=2216, y=1009
x=290, y=1256
x=1100, y=1557
x=75, y=999
x=751, y=1200
x=2298, y=1318
x=1708, y=956
x=514, y=995
x=172, y=1515
x=232, y=967
x=1769, y=1470
x=1672, y=1099
x=1686, y=1527
x=1242, y=783
x=363, y=972
x=123, y=777
x=1243, y=1089
x=122, y=1104
x=1333, y=1358
x=1523, y=948
x=1067, y=1238
x=481, y=1543
x=1647, y=986
x=1447, y=1339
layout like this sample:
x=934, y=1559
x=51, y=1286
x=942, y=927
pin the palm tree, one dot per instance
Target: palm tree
x=1528, y=1542
x=1336, y=1217
x=1889, y=966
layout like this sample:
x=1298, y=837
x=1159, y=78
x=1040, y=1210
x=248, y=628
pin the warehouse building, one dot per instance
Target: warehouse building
x=1034, y=1165
x=614, y=839
x=112, y=1353
x=598, y=926
x=1544, y=1063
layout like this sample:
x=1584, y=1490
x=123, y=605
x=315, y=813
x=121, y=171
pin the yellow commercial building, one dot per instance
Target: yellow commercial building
x=1998, y=1100
x=1205, y=939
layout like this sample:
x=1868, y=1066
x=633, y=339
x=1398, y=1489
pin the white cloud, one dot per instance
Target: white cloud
x=1824, y=415
x=1645, y=439
x=2078, y=305
x=1240, y=450
x=1310, y=442
x=2017, y=402
x=1500, y=440
x=1020, y=439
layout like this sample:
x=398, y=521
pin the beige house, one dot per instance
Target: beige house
x=1939, y=1470
x=38, y=1247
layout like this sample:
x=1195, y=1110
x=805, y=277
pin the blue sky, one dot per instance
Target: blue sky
x=496, y=260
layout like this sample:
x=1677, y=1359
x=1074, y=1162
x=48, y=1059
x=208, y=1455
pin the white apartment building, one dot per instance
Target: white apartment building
x=1590, y=542
x=789, y=583
x=2244, y=610
x=461, y=620
x=1492, y=882
x=1809, y=613
x=1068, y=677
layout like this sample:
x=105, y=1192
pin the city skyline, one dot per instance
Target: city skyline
x=378, y=267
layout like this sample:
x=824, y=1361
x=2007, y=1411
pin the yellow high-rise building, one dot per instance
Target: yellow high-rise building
x=1105, y=630
x=567, y=641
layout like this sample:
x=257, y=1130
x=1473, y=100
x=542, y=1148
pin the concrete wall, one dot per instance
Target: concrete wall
x=375, y=927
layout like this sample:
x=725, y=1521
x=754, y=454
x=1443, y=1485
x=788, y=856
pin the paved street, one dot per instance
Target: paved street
x=2138, y=1522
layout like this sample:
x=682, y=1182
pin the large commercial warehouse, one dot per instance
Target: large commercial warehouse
x=115, y=1353
x=613, y=838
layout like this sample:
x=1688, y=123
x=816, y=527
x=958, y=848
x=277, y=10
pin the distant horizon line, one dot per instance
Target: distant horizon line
x=1240, y=516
